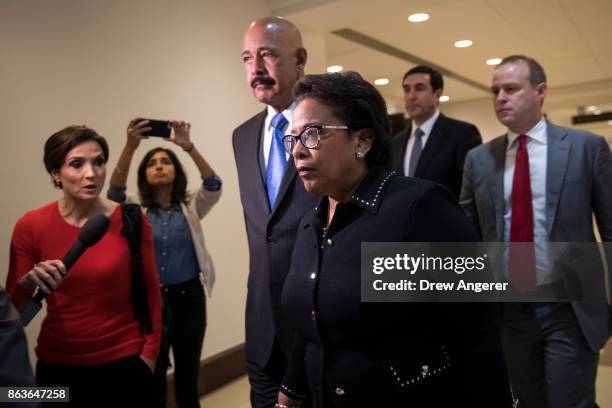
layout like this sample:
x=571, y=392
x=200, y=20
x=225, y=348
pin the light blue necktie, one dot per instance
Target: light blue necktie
x=276, y=158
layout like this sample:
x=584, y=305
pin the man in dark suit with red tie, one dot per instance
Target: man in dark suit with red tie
x=434, y=146
x=273, y=197
x=542, y=183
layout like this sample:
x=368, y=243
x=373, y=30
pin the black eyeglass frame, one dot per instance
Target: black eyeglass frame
x=290, y=141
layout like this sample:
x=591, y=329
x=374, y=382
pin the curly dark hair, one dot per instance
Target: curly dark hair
x=355, y=101
x=61, y=142
x=179, y=187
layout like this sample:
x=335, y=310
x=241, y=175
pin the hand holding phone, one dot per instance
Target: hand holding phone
x=181, y=136
x=135, y=132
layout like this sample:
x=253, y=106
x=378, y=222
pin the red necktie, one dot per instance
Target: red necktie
x=521, y=260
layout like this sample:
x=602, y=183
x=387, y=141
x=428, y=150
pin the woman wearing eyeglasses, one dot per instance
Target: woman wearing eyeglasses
x=352, y=354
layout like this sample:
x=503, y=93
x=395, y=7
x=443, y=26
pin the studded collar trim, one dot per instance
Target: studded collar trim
x=371, y=190
x=368, y=194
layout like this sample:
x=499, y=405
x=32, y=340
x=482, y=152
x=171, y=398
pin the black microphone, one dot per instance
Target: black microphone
x=93, y=231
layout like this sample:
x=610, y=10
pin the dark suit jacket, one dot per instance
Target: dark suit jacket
x=368, y=350
x=15, y=370
x=578, y=174
x=443, y=156
x=271, y=236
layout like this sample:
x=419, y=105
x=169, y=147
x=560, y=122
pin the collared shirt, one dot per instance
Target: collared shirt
x=536, y=148
x=175, y=254
x=174, y=251
x=426, y=128
x=268, y=131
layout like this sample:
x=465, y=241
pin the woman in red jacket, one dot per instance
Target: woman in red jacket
x=90, y=339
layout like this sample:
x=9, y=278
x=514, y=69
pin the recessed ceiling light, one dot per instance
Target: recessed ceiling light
x=494, y=61
x=335, y=68
x=418, y=17
x=444, y=98
x=381, y=81
x=591, y=108
x=463, y=43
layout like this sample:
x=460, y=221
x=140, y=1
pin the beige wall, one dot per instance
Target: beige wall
x=101, y=63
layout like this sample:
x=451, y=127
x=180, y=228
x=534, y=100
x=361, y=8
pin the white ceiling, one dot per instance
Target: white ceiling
x=570, y=38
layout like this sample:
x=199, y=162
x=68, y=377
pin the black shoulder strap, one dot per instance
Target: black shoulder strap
x=132, y=230
x=132, y=226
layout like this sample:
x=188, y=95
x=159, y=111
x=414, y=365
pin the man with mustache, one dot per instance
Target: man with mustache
x=433, y=146
x=542, y=183
x=273, y=197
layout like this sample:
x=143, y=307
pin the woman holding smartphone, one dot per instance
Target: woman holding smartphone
x=184, y=265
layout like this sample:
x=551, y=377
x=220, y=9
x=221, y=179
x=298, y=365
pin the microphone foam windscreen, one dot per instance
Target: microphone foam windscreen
x=94, y=229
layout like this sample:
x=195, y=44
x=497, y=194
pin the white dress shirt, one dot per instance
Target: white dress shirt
x=268, y=131
x=426, y=128
x=537, y=150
